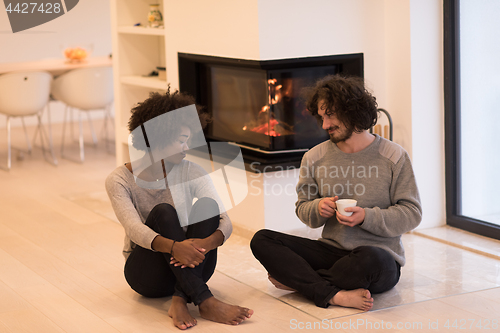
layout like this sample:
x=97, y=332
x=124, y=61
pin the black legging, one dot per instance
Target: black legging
x=150, y=273
x=318, y=270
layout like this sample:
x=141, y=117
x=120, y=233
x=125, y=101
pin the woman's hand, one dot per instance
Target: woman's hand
x=204, y=245
x=187, y=253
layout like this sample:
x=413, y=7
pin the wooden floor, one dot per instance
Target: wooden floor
x=61, y=270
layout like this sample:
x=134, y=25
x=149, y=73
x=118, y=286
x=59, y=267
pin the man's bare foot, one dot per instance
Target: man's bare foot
x=278, y=284
x=358, y=298
x=215, y=310
x=180, y=314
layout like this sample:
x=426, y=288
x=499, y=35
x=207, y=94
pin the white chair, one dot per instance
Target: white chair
x=85, y=89
x=25, y=94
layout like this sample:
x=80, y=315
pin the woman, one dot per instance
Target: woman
x=170, y=244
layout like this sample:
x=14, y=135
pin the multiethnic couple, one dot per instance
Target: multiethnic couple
x=171, y=244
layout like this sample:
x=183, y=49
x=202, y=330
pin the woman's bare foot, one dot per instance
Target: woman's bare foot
x=278, y=284
x=358, y=298
x=215, y=310
x=180, y=314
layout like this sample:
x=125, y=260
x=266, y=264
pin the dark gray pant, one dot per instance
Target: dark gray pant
x=318, y=270
x=150, y=273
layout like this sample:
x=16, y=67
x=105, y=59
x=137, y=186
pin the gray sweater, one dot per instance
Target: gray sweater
x=380, y=178
x=132, y=200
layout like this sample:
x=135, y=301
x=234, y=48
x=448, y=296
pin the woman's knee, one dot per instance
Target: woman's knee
x=204, y=209
x=206, y=203
x=148, y=274
x=162, y=212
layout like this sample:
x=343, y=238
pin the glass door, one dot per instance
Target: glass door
x=472, y=108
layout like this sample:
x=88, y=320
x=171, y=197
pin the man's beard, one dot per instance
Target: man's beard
x=342, y=136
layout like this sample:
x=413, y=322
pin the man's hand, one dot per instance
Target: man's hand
x=188, y=253
x=327, y=206
x=357, y=217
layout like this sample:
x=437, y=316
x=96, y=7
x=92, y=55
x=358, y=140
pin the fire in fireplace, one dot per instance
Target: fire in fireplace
x=266, y=122
x=258, y=105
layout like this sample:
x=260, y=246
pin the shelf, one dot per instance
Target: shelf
x=138, y=50
x=146, y=82
x=141, y=31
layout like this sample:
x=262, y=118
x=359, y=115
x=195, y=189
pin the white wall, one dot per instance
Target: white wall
x=222, y=28
x=398, y=70
x=427, y=107
x=290, y=29
x=87, y=23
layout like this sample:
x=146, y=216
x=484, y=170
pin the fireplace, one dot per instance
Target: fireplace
x=258, y=105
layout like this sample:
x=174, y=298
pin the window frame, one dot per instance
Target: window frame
x=452, y=107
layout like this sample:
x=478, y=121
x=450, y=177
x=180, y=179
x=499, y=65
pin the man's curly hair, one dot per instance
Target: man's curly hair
x=158, y=104
x=347, y=98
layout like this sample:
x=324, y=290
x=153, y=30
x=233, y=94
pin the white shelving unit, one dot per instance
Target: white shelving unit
x=140, y=31
x=137, y=50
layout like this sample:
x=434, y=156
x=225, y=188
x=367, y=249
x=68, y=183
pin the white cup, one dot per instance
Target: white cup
x=342, y=204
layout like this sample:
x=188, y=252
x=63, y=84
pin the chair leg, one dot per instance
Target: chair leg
x=9, y=143
x=51, y=142
x=35, y=136
x=26, y=136
x=71, y=124
x=48, y=138
x=82, y=154
x=108, y=118
x=28, y=143
x=80, y=137
x=94, y=137
x=9, y=160
x=39, y=128
x=104, y=130
x=64, y=130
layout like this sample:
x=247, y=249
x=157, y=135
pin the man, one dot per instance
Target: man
x=362, y=254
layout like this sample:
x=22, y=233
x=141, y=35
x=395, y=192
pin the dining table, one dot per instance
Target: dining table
x=55, y=66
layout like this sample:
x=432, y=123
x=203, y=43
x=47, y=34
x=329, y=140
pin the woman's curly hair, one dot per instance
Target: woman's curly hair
x=158, y=104
x=347, y=98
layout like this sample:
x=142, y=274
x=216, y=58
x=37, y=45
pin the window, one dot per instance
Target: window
x=472, y=111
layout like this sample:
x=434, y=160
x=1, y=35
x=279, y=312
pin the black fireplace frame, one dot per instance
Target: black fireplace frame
x=193, y=73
